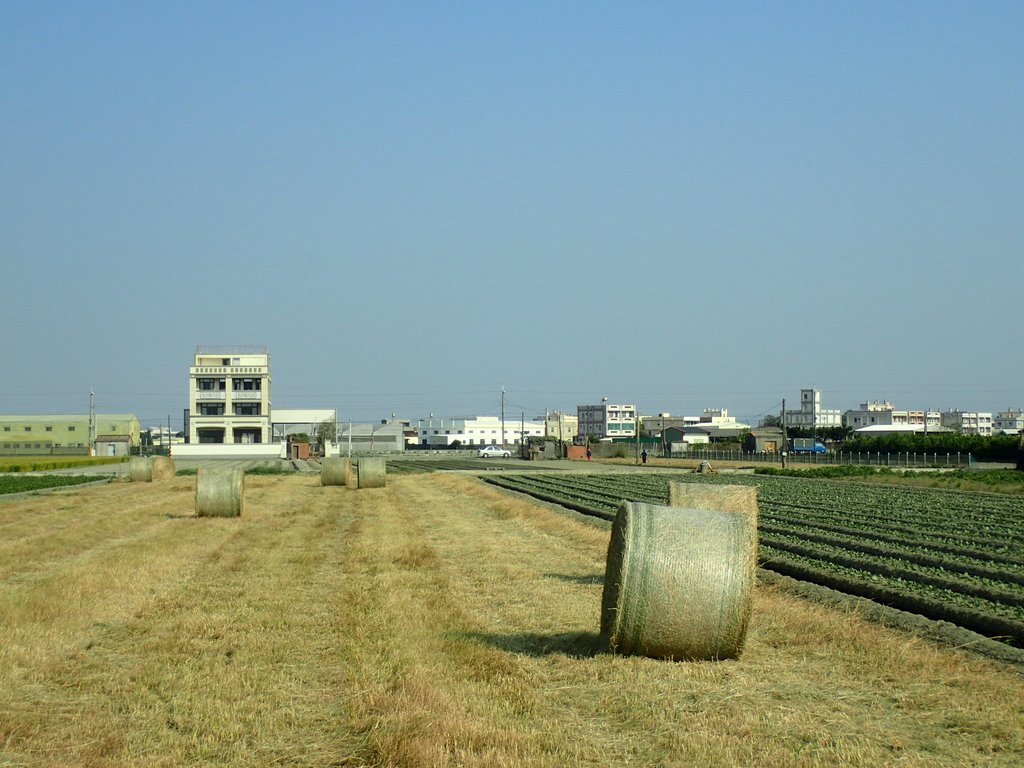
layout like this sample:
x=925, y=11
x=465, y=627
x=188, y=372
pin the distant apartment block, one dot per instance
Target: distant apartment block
x=811, y=415
x=607, y=420
x=561, y=426
x=476, y=430
x=229, y=395
x=883, y=413
x=1009, y=422
x=715, y=418
x=968, y=422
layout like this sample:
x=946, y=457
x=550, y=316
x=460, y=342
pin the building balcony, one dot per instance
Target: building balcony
x=247, y=394
x=210, y=394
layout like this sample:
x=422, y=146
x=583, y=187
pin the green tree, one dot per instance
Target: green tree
x=326, y=431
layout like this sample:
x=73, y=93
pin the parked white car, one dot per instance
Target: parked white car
x=494, y=452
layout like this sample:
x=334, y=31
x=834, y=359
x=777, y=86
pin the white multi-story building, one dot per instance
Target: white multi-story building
x=882, y=413
x=476, y=430
x=606, y=420
x=1009, y=422
x=561, y=426
x=811, y=415
x=229, y=395
x=968, y=422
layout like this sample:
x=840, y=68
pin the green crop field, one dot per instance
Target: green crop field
x=21, y=484
x=41, y=463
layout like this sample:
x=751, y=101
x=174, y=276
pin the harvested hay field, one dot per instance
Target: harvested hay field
x=435, y=622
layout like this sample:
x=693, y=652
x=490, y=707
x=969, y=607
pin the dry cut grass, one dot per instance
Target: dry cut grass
x=435, y=622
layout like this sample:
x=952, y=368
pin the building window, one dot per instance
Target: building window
x=71, y=429
x=7, y=429
x=28, y=429
x=247, y=409
x=246, y=385
x=211, y=409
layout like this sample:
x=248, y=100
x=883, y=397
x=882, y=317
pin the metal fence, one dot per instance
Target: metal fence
x=872, y=458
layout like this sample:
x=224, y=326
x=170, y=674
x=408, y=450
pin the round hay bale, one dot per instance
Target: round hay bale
x=140, y=469
x=373, y=472
x=334, y=470
x=352, y=474
x=723, y=498
x=678, y=582
x=219, y=492
x=163, y=468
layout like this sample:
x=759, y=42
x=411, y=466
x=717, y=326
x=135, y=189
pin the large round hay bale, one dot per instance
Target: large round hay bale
x=219, y=492
x=373, y=472
x=723, y=498
x=163, y=468
x=334, y=470
x=140, y=469
x=679, y=582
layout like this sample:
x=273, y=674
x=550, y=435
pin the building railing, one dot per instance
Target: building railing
x=243, y=349
x=211, y=394
x=209, y=370
x=247, y=394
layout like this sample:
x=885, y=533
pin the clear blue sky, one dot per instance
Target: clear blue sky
x=412, y=204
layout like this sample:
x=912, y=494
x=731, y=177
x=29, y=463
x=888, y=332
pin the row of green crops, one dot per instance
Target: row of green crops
x=947, y=555
x=24, y=483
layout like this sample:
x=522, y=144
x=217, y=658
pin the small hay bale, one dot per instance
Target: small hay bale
x=140, y=469
x=373, y=472
x=219, y=492
x=163, y=468
x=679, y=582
x=334, y=470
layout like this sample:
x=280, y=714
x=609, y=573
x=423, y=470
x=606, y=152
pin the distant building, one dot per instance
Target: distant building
x=229, y=395
x=163, y=436
x=715, y=418
x=1009, y=422
x=293, y=421
x=476, y=430
x=811, y=415
x=369, y=437
x=561, y=426
x=765, y=440
x=68, y=434
x=883, y=413
x=968, y=422
x=677, y=439
x=607, y=420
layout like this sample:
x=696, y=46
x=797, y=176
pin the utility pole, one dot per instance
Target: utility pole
x=785, y=439
x=503, y=414
x=636, y=428
x=92, y=422
x=168, y=434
